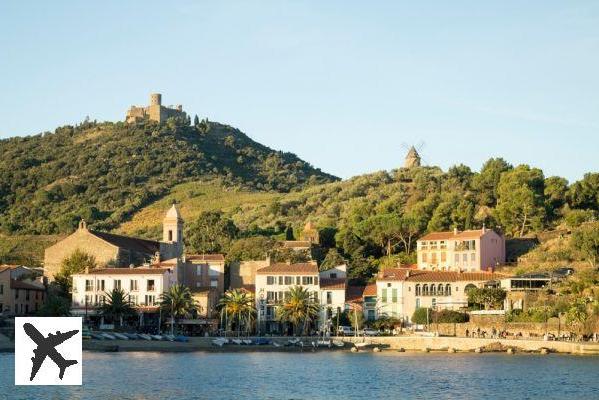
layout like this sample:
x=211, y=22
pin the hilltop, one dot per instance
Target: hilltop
x=106, y=172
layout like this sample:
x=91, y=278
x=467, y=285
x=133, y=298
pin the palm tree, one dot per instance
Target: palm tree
x=116, y=306
x=178, y=302
x=299, y=308
x=239, y=309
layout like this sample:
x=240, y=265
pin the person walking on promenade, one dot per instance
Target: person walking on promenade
x=467, y=332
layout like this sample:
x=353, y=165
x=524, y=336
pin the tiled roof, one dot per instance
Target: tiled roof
x=470, y=234
x=291, y=269
x=354, y=293
x=332, y=284
x=370, y=289
x=5, y=267
x=15, y=284
x=205, y=257
x=128, y=271
x=296, y=244
x=138, y=245
x=249, y=288
x=402, y=274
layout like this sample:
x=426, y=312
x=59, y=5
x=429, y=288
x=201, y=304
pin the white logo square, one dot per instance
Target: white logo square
x=48, y=351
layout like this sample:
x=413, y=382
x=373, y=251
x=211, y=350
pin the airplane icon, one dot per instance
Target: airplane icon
x=46, y=347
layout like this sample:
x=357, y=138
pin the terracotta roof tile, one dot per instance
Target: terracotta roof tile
x=291, y=269
x=370, y=289
x=205, y=257
x=5, y=267
x=332, y=284
x=127, y=271
x=470, y=234
x=402, y=274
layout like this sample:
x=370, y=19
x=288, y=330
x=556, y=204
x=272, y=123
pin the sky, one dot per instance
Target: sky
x=345, y=85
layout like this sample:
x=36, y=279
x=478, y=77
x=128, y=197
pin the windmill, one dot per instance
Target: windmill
x=413, y=158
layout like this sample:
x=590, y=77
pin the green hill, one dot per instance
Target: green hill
x=106, y=172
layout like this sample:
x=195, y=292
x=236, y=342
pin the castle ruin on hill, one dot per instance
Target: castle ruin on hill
x=155, y=111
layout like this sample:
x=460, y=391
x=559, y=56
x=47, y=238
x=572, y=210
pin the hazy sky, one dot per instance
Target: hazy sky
x=341, y=84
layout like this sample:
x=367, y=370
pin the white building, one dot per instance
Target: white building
x=143, y=287
x=401, y=291
x=274, y=282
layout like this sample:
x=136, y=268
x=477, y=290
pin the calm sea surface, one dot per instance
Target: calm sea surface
x=320, y=376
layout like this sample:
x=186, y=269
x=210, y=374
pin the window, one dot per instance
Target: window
x=424, y=257
x=214, y=282
x=333, y=275
x=473, y=257
x=394, y=295
x=433, y=245
x=117, y=284
x=133, y=299
x=425, y=290
x=170, y=235
x=150, y=299
x=424, y=245
x=433, y=290
x=280, y=280
x=433, y=258
x=199, y=270
x=316, y=280
x=465, y=258
x=270, y=280
x=448, y=290
x=442, y=245
x=440, y=289
x=151, y=286
x=89, y=285
x=26, y=294
x=101, y=285
x=384, y=295
x=271, y=296
x=134, y=287
x=88, y=300
x=443, y=256
x=457, y=258
x=417, y=303
x=329, y=297
x=289, y=280
x=388, y=284
x=1, y=292
x=418, y=290
x=16, y=293
x=434, y=303
x=298, y=280
x=307, y=280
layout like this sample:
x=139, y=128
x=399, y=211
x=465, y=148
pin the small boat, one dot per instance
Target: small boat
x=181, y=338
x=119, y=336
x=362, y=345
x=108, y=336
x=131, y=336
x=144, y=336
x=237, y=341
x=261, y=341
x=324, y=343
x=247, y=341
x=170, y=338
x=97, y=336
x=276, y=344
x=219, y=341
x=338, y=343
x=293, y=341
x=156, y=337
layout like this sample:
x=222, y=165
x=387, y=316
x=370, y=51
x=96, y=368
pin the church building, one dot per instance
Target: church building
x=118, y=251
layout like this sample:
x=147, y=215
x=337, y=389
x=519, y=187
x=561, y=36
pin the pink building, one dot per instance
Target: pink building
x=472, y=250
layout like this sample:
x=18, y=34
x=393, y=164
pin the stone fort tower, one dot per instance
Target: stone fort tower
x=412, y=158
x=155, y=111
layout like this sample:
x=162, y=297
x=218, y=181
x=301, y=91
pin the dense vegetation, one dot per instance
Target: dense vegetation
x=105, y=172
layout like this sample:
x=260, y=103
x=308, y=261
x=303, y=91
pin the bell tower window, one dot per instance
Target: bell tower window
x=170, y=235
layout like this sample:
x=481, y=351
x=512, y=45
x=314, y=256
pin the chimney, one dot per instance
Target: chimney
x=87, y=270
x=484, y=228
x=407, y=273
x=455, y=231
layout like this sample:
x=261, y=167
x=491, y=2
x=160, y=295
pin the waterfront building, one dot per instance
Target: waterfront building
x=142, y=286
x=20, y=294
x=111, y=250
x=471, y=250
x=204, y=274
x=400, y=291
x=274, y=282
x=242, y=274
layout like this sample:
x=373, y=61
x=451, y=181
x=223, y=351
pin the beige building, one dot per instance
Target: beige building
x=116, y=250
x=19, y=294
x=155, y=111
x=412, y=158
x=400, y=291
x=242, y=274
x=204, y=274
x=472, y=250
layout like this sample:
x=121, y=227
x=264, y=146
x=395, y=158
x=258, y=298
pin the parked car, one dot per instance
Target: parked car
x=370, y=332
x=345, y=331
